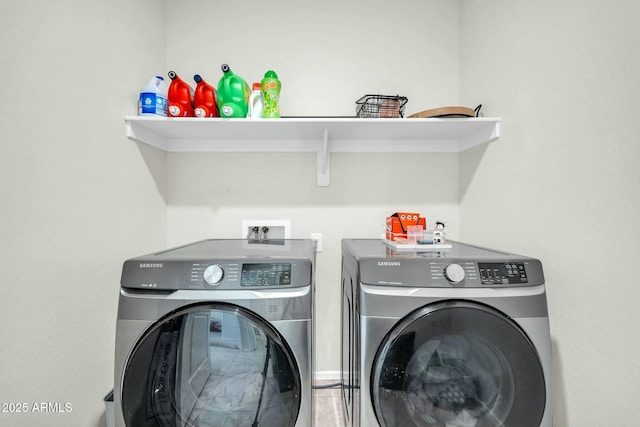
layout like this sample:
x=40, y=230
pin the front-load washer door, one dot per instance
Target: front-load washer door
x=211, y=364
x=457, y=364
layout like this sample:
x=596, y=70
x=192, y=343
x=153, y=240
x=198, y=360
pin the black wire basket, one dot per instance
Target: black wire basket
x=381, y=106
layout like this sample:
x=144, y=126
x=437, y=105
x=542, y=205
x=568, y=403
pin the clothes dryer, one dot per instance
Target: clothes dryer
x=457, y=337
x=216, y=333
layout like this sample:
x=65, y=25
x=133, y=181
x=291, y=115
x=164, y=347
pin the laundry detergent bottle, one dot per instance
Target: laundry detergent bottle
x=270, y=95
x=180, y=97
x=233, y=94
x=204, y=99
x=255, y=102
x=153, y=98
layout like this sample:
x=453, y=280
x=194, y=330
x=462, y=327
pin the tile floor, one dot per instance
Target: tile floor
x=327, y=409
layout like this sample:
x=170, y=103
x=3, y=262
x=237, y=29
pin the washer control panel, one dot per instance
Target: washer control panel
x=207, y=275
x=217, y=274
x=499, y=273
x=460, y=266
x=478, y=274
x=470, y=274
x=249, y=275
x=272, y=274
x=452, y=273
x=217, y=265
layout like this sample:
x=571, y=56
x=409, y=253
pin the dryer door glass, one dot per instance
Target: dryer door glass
x=211, y=365
x=457, y=364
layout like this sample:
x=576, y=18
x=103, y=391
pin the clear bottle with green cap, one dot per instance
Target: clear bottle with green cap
x=270, y=95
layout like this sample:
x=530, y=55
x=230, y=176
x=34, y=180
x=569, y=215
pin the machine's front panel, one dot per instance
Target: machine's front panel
x=211, y=364
x=208, y=274
x=461, y=266
x=440, y=337
x=266, y=274
x=450, y=273
x=218, y=332
x=457, y=363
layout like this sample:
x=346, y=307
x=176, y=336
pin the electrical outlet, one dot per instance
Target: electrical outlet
x=266, y=229
x=317, y=237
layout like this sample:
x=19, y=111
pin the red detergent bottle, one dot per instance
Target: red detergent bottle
x=204, y=99
x=179, y=97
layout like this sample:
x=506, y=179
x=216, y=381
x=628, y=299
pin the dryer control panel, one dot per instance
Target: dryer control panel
x=461, y=266
x=479, y=274
x=247, y=275
x=223, y=264
x=509, y=273
x=272, y=274
x=216, y=274
x=447, y=273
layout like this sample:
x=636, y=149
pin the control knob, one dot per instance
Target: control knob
x=454, y=273
x=213, y=274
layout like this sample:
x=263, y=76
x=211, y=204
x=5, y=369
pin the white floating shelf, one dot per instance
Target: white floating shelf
x=320, y=135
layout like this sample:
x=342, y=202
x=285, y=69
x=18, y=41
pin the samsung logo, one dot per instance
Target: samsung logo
x=388, y=263
x=150, y=265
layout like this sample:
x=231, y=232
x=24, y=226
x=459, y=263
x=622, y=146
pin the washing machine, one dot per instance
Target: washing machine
x=216, y=333
x=453, y=337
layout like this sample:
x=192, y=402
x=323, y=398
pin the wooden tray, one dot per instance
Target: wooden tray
x=447, y=112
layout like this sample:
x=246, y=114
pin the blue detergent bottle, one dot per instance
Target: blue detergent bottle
x=153, y=98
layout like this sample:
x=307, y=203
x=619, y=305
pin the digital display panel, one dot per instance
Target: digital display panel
x=492, y=273
x=278, y=274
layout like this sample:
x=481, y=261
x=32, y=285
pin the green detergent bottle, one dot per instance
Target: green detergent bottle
x=270, y=95
x=233, y=94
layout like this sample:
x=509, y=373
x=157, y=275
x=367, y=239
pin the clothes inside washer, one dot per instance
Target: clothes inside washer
x=453, y=380
x=233, y=402
x=237, y=392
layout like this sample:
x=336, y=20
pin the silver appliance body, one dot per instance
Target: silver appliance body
x=457, y=337
x=218, y=332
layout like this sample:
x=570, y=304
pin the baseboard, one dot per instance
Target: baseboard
x=327, y=375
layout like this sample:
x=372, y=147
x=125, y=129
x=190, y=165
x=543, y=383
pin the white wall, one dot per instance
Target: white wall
x=562, y=181
x=327, y=55
x=76, y=197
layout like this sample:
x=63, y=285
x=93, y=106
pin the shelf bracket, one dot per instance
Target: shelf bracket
x=324, y=162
